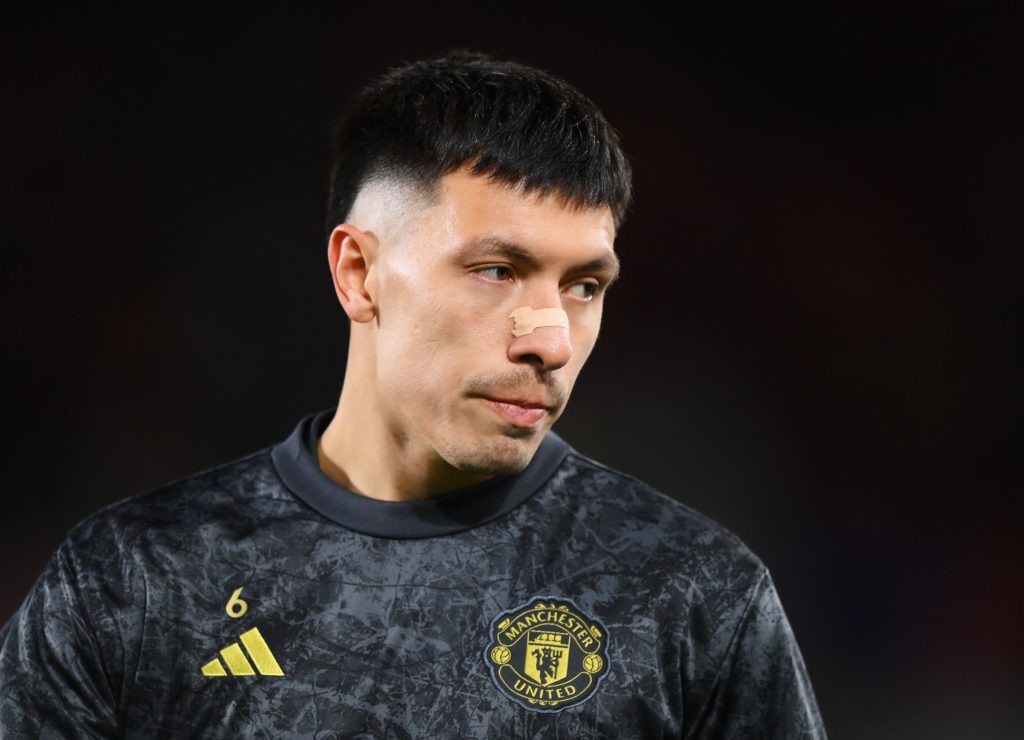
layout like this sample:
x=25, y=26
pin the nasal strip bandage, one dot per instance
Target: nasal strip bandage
x=526, y=318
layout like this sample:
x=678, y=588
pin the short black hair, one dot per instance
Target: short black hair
x=514, y=123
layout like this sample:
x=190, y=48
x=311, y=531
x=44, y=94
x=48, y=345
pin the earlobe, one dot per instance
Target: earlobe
x=350, y=253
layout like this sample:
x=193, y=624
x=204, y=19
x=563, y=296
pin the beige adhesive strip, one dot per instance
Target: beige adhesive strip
x=525, y=319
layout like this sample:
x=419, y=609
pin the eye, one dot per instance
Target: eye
x=495, y=273
x=585, y=291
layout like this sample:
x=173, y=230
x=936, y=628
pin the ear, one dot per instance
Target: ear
x=350, y=253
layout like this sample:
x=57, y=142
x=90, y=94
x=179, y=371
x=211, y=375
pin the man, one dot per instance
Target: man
x=427, y=560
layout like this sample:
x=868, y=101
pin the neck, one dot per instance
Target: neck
x=362, y=452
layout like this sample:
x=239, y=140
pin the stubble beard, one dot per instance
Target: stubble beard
x=510, y=450
x=501, y=455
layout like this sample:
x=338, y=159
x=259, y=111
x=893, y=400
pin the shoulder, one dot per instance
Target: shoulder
x=213, y=503
x=627, y=503
x=657, y=536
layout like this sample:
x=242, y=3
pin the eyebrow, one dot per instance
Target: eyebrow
x=492, y=245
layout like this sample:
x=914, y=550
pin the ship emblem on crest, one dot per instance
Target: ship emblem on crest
x=547, y=655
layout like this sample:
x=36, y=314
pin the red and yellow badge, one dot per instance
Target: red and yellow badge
x=548, y=655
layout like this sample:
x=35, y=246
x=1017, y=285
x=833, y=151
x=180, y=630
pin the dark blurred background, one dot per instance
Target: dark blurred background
x=813, y=340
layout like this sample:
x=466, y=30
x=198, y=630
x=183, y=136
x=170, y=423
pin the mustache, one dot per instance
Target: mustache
x=522, y=382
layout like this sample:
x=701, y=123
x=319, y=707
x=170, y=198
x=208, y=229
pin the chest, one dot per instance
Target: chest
x=431, y=642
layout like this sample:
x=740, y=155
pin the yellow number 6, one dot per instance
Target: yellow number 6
x=236, y=607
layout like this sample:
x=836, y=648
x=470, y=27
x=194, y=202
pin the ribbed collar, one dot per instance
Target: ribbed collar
x=296, y=461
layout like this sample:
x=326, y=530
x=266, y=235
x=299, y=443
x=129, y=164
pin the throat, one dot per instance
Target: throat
x=387, y=472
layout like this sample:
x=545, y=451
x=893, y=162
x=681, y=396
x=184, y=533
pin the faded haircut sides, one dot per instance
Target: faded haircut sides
x=516, y=124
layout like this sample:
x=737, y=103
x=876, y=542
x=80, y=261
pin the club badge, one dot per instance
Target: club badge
x=548, y=655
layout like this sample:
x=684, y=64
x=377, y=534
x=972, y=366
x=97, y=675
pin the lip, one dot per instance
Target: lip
x=518, y=412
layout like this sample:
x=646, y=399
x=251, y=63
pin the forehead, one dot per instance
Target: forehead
x=469, y=207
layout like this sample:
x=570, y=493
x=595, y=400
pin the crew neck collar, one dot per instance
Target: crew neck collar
x=296, y=462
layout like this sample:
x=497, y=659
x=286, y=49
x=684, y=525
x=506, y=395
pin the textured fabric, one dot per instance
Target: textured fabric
x=666, y=623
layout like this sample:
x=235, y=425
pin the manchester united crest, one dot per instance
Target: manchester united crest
x=548, y=655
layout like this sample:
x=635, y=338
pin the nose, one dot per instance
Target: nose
x=546, y=348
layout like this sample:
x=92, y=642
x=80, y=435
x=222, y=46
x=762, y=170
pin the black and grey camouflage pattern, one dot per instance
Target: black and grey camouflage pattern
x=382, y=637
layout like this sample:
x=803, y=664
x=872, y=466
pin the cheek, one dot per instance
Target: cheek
x=459, y=320
x=585, y=336
x=429, y=342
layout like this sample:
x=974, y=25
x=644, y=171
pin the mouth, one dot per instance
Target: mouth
x=519, y=412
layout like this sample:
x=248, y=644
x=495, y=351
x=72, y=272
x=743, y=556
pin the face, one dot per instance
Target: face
x=450, y=379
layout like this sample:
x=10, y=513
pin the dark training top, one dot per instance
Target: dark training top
x=261, y=599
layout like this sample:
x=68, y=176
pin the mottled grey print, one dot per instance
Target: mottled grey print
x=225, y=606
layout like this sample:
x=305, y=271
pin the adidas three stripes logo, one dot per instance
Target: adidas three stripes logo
x=263, y=661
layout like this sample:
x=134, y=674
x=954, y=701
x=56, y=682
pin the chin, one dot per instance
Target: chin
x=505, y=455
